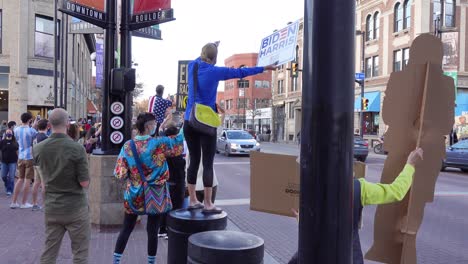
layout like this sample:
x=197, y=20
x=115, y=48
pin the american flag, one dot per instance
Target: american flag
x=283, y=33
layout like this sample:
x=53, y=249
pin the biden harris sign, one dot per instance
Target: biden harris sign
x=279, y=47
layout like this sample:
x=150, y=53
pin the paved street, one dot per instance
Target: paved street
x=443, y=237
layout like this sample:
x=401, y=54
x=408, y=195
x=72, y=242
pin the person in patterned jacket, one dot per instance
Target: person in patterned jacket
x=152, y=153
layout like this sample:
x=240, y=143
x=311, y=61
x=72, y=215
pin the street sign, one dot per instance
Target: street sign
x=85, y=28
x=116, y=137
x=149, y=32
x=117, y=122
x=279, y=47
x=147, y=13
x=359, y=76
x=91, y=11
x=117, y=108
x=182, y=86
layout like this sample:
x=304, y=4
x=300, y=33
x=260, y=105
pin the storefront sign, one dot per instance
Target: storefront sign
x=99, y=61
x=182, y=86
x=91, y=11
x=279, y=47
x=50, y=100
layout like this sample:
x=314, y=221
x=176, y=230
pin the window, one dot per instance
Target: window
x=44, y=37
x=243, y=84
x=368, y=68
x=398, y=18
x=266, y=84
x=258, y=84
x=376, y=25
x=369, y=28
x=78, y=59
x=280, y=86
x=375, y=66
x=397, y=61
x=405, y=57
x=437, y=10
x=449, y=13
x=291, y=110
x=242, y=102
x=407, y=7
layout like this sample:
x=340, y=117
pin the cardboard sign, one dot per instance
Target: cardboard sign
x=424, y=97
x=279, y=47
x=182, y=86
x=275, y=182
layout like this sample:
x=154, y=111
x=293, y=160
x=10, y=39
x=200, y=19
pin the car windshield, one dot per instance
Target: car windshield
x=238, y=135
x=461, y=145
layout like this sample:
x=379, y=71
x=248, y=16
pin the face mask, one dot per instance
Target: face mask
x=153, y=131
x=9, y=136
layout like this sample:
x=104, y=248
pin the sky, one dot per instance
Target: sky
x=239, y=25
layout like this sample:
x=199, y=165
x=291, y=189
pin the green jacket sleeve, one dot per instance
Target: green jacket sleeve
x=378, y=193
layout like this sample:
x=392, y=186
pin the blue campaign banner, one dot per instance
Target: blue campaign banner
x=279, y=47
x=99, y=61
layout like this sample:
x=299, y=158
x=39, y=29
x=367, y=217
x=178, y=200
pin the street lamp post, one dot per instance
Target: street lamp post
x=363, y=70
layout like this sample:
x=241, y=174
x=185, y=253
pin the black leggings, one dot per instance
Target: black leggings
x=199, y=143
x=152, y=227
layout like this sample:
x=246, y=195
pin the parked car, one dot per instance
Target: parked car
x=457, y=156
x=236, y=142
x=361, y=149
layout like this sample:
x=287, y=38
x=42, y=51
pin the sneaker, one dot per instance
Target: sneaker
x=166, y=237
x=162, y=235
x=8, y=194
x=14, y=205
x=36, y=208
x=26, y=206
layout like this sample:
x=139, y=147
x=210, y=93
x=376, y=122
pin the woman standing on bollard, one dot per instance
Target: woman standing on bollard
x=207, y=77
x=142, y=163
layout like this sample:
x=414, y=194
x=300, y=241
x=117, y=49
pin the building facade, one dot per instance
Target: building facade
x=287, y=97
x=386, y=31
x=26, y=61
x=251, y=93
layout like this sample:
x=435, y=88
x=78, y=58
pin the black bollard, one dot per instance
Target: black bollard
x=227, y=247
x=182, y=223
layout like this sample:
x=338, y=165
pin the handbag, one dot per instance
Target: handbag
x=157, y=197
x=202, y=117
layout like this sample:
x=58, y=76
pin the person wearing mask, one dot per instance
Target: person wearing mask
x=208, y=76
x=160, y=107
x=25, y=136
x=150, y=155
x=42, y=126
x=9, y=149
x=366, y=193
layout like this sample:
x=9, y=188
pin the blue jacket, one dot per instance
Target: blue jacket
x=208, y=79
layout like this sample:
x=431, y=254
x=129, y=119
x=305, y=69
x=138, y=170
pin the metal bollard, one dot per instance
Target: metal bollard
x=227, y=247
x=182, y=223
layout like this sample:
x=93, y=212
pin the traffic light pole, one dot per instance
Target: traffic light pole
x=363, y=60
x=326, y=166
x=126, y=62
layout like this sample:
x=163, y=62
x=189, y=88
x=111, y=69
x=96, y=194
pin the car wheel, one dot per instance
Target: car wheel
x=464, y=170
x=226, y=151
x=442, y=168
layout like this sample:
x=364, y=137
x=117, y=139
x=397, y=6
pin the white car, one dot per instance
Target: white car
x=234, y=142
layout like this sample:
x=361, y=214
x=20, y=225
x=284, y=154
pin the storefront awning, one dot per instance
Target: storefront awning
x=374, y=102
x=91, y=108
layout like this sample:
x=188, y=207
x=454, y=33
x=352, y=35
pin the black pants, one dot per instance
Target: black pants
x=176, y=186
x=199, y=143
x=151, y=228
x=201, y=195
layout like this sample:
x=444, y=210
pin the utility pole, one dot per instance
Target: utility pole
x=126, y=62
x=62, y=47
x=363, y=69
x=65, y=99
x=55, y=55
x=325, y=226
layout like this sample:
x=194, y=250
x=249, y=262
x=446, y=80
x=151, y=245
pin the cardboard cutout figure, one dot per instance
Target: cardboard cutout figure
x=418, y=108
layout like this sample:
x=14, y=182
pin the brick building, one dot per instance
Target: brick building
x=247, y=95
x=389, y=28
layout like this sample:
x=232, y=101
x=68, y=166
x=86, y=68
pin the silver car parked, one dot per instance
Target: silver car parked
x=234, y=142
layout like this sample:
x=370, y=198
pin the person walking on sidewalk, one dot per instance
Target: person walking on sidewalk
x=142, y=163
x=9, y=149
x=64, y=167
x=42, y=126
x=208, y=76
x=25, y=136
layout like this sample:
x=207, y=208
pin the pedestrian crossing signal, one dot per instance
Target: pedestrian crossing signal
x=294, y=69
x=365, y=104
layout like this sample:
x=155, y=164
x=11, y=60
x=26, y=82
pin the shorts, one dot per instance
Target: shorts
x=37, y=174
x=25, y=169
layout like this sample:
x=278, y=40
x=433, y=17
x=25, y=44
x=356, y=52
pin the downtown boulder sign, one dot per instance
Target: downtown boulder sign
x=91, y=11
x=147, y=13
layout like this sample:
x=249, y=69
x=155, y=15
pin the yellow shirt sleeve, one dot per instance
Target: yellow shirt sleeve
x=378, y=193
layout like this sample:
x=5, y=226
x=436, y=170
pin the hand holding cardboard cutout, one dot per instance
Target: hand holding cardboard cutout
x=418, y=108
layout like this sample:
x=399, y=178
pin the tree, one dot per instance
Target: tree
x=141, y=106
x=254, y=110
x=139, y=88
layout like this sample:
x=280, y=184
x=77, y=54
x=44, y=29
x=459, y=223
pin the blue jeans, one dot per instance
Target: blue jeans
x=8, y=175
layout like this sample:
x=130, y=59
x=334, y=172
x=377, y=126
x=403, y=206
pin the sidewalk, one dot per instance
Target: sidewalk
x=22, y=238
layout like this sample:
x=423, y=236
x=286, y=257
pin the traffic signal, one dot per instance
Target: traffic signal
x=122, y=80
x=365, y=104
x=294, y=69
